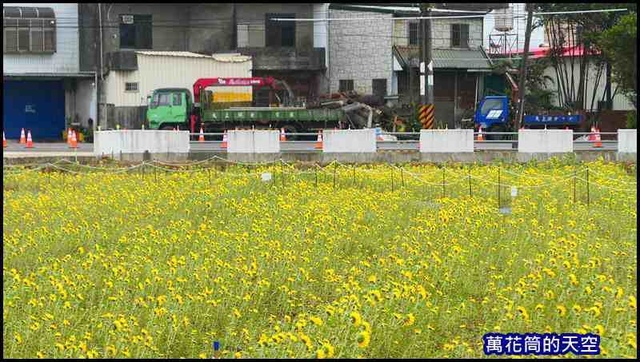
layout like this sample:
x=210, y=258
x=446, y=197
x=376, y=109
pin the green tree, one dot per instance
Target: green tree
x=619, y=45
x=578, y=30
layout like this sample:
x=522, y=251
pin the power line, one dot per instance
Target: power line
x=580, y=12
x=378, y=18
x=438, y=17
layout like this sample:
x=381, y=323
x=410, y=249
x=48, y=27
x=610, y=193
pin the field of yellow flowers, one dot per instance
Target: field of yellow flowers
x=339, y=261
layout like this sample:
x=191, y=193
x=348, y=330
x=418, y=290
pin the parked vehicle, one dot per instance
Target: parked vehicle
x=493, y=115
x=169, y=108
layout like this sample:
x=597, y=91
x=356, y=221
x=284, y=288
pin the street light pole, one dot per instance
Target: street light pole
x=523, y=72
x=426, y=109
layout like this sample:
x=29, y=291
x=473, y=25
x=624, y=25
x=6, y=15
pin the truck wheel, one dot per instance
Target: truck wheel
x=497, y=136
x=166, y=127
x=288, y=129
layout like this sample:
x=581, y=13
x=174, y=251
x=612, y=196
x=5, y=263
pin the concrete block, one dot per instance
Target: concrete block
x=139, y=141
x=253, y=141
x=349, y=141
x=627, y=140
x=446, y=140
x=545, y=141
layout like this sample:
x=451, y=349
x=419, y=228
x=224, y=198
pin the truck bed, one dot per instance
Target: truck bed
x=533, y=120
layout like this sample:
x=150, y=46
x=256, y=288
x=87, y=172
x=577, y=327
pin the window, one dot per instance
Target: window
x=29, y=30
x=135, y=32
x=345, y=85
x=177, y=99
x=491, y=105
x=413, y=33
x=280, y=33
x=379, y=87
x=459, y=35
x=131, y=87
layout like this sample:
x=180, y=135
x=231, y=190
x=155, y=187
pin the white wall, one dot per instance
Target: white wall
x=446, y=140
x=321, y=29
x=361, y=50
x=166, y=71
x=86, y=101
x=620, y=102
x=139, y=141
x=545, y=141
x=349, y=141
x=65, y=59
x=628, y=140
x=253, y=141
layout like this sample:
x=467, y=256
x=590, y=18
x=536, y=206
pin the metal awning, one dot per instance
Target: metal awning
x=21, y=12
x=49, y=75
x=472, y=60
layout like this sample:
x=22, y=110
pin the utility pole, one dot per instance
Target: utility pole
x=426, y=109
x=523, y=72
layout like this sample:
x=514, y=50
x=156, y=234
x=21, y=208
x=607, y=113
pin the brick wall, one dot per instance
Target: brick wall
x=360, y=50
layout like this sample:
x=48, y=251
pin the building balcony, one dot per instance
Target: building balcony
x=286, y=58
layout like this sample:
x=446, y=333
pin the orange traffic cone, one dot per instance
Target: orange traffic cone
x=598, y=140
x=283, y=135
x=74, y=141
x=4, y=141
x=69, y=136
x=480, y=137
x=29, y=140
x=224, y=140
x=201, y=137
x=23, y=139
x=319, y=141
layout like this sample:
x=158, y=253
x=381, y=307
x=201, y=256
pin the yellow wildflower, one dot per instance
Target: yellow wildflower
x=561, y=310
x=356, y=318
x=364, y=338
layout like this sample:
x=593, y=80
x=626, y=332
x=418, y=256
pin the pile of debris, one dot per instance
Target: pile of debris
x=362, y=110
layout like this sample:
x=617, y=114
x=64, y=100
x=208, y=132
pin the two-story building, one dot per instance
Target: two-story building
x=44, y=89
x=378, y=53
x=113, y=33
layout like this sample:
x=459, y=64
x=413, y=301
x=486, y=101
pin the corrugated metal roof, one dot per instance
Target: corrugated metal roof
x=172, y=54
x=460, y=59
x=232, y=57
x=446, y=58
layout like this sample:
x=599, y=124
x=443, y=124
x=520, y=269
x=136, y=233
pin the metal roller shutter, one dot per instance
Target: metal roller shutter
x=36, y=105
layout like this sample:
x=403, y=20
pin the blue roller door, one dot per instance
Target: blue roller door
x=33, y=105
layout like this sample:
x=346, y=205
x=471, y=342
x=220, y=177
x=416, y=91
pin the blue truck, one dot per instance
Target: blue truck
x=493, y=114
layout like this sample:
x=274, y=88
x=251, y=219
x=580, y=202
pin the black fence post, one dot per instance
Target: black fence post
x=354, y=175
x=469, y=178
x=335, y=168
x=444, y=191
x=574, y=186
x=392, y=185
x=499, y=201
x=588, y=196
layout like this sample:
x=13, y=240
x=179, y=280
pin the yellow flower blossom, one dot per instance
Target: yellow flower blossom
x=364, y=338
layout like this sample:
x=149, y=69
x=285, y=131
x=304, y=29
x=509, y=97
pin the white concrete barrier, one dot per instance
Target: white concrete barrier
x=253, y=141
x=545, y=140
x=446, y=140
x=139, y=141
x=349, y=141
x=627, y=140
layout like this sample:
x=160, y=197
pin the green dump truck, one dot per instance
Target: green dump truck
x=170, y=108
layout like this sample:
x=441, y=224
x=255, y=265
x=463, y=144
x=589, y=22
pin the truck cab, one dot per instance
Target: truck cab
x=168, y=108
x=492, y=114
